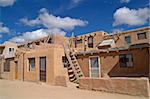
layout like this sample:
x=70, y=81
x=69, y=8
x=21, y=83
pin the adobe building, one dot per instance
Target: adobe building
x=96, y=61
x=117, y=55
x=36, y=61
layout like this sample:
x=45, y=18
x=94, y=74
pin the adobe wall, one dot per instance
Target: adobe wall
x=140, y=64
x=97, y=37
x=110, y=63
x=134, y=38
x=131, y=86
x=8, y=75
x=54, y=65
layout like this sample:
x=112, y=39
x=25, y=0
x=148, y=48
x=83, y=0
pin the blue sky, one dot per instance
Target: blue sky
x=22, y=20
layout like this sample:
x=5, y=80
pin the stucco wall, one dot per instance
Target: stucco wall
x=10, y=75
x=134, y=38
x=54, y=65
x=131, y=86
x=109, y=63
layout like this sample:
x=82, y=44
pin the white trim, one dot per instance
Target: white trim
x=98, y=64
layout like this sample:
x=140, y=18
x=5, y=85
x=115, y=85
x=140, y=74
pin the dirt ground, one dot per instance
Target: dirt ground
x=30, y=90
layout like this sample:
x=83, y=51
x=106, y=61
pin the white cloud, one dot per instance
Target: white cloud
x=50, y=21
x=131, y=17
x=5, y=3
x=124, y=1
x=53, y=25
x=28, y=36
x=30, y=22
x=37, y=34
x=3, y=29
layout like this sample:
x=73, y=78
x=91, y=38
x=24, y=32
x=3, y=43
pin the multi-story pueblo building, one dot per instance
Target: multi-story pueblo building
x=96, y=61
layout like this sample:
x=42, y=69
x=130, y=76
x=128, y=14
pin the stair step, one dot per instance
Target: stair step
x=71, y=76
x=70, y=70
x=73, y=80
x=70, y=73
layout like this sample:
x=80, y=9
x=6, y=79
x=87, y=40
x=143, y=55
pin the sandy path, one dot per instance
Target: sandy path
x=28, y=90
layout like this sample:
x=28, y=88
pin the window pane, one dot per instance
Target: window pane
x=128, y=39
x=7, y=65
x=79, y=41
x=42, y=63
x=31, y=64
x=94, y=62
x=90, y=40
x=126, y=60
x=141, y=35
x=94, y=67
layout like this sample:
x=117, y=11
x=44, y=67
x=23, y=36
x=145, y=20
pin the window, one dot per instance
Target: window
x=126, y=60
x=31, y=64
x=7, y=65
x=79, y=41
x=128, y=39
x=90, y=42
x=11, y=49
x=141, y=36
x=43, y=63
x=94, y=67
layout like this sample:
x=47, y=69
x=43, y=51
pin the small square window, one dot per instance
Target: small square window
x=11, y=49
x=126, y=60
x=128, y=39
x=142, y=36
x=79, y=41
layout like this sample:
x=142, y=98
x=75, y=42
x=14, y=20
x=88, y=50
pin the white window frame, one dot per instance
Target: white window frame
x=98, y=64
x=28, y=65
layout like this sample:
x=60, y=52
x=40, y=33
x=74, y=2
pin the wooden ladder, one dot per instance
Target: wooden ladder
x=74, y=70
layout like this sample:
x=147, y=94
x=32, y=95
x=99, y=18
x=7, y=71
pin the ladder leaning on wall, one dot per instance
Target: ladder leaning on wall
x=74, y=70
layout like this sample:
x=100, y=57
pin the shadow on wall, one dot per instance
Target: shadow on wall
x=118, y=71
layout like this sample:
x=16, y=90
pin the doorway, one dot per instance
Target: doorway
x=43, y=69
x=16, y=70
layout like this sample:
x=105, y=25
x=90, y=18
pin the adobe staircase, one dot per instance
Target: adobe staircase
x=74, y=70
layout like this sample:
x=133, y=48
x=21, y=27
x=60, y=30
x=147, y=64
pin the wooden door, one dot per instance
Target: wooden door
x=43, y=69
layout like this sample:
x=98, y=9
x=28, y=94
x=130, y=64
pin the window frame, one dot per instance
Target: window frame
x=79, y=41
x=40, y=62
x=91, y=44
x=11, y=50
x=126, y=39
x=125, y=60
x=7, y=66
x=29, y=66
x=142, y=33
x=99, y=64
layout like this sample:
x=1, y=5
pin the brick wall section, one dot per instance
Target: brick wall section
x=131, y=86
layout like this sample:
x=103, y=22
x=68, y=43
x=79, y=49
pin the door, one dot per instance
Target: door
x=94, y=67
x=16, y=70
x=43, y=69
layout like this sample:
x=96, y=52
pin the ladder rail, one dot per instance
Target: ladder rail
x=78, y=65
